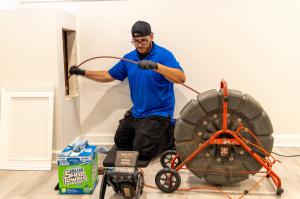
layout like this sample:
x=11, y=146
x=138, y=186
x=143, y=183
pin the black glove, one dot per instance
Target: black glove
x=146, y=64
x=77, y=71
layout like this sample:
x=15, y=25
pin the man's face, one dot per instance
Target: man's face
x=142, y=44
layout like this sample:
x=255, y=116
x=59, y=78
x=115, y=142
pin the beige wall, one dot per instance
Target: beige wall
x=253, y=44
x=32, y=56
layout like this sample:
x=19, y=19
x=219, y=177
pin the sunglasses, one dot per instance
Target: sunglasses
x=143, y=41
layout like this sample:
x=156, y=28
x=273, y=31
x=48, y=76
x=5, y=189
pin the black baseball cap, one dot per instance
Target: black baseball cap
x=141, y=29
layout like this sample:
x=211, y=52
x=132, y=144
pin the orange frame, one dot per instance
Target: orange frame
x=235, y=141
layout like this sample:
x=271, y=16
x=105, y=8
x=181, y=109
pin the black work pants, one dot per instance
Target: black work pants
x=149, y=136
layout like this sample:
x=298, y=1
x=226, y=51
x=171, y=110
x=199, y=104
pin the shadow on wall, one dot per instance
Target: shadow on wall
x=180, y=100
x=115, y=98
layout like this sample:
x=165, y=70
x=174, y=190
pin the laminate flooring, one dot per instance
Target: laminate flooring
x=40, y=184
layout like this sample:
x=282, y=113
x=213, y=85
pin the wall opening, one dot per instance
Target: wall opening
x=69, y=54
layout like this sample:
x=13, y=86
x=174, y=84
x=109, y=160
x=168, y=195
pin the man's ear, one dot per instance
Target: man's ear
x=152, y=36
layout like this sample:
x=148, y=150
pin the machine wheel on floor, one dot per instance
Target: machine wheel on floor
x=167, y=157
x=167, y=180
x=279, y=191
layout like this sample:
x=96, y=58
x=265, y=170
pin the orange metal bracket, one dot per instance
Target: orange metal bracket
x=236, y=140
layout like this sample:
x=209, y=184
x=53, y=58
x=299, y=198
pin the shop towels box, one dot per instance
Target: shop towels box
x=78, y=171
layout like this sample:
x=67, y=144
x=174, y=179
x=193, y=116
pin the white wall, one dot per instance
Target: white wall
x=8, y=4
x=253, y=44
x=32, y=56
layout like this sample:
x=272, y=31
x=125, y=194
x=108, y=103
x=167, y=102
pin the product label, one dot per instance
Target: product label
x=74, y=176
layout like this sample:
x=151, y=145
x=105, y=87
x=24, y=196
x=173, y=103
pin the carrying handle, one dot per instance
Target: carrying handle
x=224, y=87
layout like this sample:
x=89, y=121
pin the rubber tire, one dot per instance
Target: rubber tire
x=164, y=156
x=164, y=172
x=279, y=191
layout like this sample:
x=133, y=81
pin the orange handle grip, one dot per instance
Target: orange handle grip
x=224, y=87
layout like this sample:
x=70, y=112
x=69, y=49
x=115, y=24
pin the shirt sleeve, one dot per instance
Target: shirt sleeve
x=170, y=61
x=118, y=71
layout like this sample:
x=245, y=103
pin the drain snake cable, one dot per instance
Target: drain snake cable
x=134, y=62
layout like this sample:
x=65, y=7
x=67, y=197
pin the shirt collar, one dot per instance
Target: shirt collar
x=152, y=51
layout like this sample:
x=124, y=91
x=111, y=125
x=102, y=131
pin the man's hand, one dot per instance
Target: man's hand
x=146, y=64
x=77, y=71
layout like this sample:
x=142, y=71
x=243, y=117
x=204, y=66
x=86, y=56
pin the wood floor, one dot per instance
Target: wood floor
x=40, y=184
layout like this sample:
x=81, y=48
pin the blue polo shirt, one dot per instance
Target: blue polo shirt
x=151, y=93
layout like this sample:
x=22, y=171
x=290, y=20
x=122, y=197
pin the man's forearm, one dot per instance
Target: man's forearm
x=172, y=74
x=99, y=76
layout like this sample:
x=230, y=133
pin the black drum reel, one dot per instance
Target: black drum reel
x=222, y=136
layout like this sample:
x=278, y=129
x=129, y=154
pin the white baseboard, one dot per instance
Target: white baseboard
x=280, y=140
x=100, y=139
x=107, y=139
x=287, y=140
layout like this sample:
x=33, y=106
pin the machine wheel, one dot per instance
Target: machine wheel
x=279, y=191
x=140, y=186
x=56, y=188
x=167, y=157
x=202, y=117
x=167, y=180
x=103, y=186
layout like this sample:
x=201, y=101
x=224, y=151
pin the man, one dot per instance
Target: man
x=146, y=128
